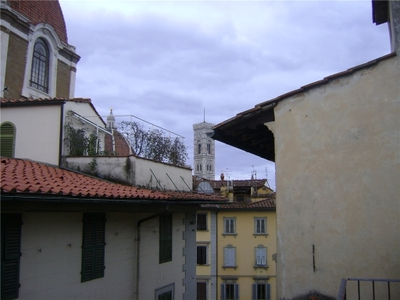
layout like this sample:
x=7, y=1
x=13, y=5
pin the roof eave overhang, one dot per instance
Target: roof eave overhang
x=16, y=197
x=380, y=11
x=247, y=131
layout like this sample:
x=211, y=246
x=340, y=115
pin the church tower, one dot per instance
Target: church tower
x=203, y=151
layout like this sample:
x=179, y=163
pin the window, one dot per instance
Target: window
x=165, y=293
x=201, y=291
x=201, y=255
x=229, y=225
x=93, y=244
x=229, y=291
x=261, y=291
x=260, y=225
x=229, y=256
x=7, y=139
x=165, y=238
x=260, y=256
x=40, y=66
x=198, y=148
x=240, y=198
x=201, y=221
x=165, y=296
x=10, y=255
x=208, y=148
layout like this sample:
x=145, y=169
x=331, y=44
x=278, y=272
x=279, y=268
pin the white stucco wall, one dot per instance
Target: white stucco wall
x=139, y=172
x=37, y=131
x=50, y=264
x=152, y=273
x=338, y=168
x=144, y=175
x=50, y=268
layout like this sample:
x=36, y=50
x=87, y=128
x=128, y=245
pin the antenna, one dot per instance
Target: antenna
x=204, y=114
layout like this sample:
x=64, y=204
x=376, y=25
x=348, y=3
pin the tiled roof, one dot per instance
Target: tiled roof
x=43, y=101
x=43, y=11
x=216, y=184
x=19, y=176
x=266, y=203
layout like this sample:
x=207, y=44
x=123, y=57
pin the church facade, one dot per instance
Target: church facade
x=39, y=62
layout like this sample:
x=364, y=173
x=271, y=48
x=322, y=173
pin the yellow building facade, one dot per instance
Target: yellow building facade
x=236, y=244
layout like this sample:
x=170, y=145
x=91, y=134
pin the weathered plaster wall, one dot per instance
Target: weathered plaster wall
x=50, y=264
x=134, y=171
x=37, y=131
x=152, y=274
x=338, y=171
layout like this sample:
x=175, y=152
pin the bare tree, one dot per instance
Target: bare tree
x=153, y=143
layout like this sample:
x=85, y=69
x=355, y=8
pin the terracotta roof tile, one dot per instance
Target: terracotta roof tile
x=44, y=11
x=266, y=203
x=25, y=176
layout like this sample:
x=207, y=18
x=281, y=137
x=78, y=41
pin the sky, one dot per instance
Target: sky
x=178, y=63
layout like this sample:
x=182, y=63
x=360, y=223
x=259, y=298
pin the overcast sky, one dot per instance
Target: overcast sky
x=166, y=62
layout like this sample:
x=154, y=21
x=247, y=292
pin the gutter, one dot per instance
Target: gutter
x=5, y=197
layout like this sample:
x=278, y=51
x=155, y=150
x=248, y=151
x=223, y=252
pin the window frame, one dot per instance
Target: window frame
x=235, y=289
x=163, y=292
x=202, y=255
x=229, y=257
x=40, y=66
x=7, y=139
x=201, y=293
x=255, y=291
x=257, y=227
x=202, y=225
x=229, y=229
x=93, y=246
x=260, y=257
x=165, y=238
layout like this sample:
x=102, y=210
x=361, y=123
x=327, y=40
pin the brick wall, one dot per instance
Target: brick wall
x=16, y=60
x=43, y=11
x=121, y=146
x=63, y=80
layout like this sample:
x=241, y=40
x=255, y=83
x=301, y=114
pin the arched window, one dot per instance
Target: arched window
x=7, y=138
x=40, y=66
x=199, y=149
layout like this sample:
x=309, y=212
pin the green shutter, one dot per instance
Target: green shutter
x=93, y=244
x=165, y=249
x=7, y=140
x=10, y=255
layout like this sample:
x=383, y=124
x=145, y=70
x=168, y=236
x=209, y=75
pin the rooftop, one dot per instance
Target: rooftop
x=25, y=177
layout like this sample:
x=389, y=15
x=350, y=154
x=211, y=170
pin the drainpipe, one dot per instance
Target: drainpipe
x=138, y=237
x=60, y=150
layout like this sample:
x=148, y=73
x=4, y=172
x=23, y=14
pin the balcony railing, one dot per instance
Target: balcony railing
x=367, y=288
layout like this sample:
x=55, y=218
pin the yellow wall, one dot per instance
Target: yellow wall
x=245, y=242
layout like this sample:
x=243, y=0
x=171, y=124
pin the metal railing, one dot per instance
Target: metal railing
x=361, y=288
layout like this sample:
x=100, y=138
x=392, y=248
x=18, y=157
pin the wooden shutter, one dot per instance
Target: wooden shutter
x=261, y=256
x=229, y=257
x=236, y=287
x=223, y=291
x=268, y=287
x=10, y=255
x=7, y=140
x=165, y=238
x=93, y=246
x=254, y=291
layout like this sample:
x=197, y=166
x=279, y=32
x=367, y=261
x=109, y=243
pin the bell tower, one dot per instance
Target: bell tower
x=203, y=151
